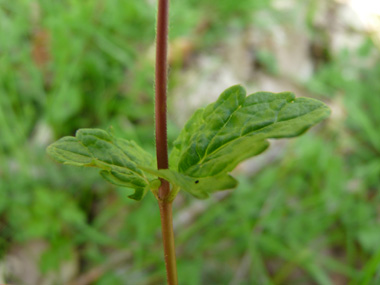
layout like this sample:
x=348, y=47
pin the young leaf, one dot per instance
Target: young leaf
x=118, y=158
x=236, y=127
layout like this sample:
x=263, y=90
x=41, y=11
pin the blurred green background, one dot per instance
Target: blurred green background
x=306, y=212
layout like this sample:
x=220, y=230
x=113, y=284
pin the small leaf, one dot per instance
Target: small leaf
x=199, y=187
x=217, y=138
x=118, y=158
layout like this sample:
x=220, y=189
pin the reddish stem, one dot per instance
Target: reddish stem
x=161, y=140
x=168, y=242
x=161, y=87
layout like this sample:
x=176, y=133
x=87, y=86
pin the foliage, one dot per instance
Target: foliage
x=119, y=159
x=214, y=141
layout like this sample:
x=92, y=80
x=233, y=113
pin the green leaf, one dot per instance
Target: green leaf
x=118, y=158
x=198, y=187
x=217, y=138
x=213, y=142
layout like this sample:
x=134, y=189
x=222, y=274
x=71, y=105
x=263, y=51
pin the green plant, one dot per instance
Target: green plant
x=213, y=142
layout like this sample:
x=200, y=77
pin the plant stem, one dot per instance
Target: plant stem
x=161, y=86
x=168, y=241
x=164, y=203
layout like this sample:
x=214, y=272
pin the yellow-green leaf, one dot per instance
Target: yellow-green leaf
x=118, y=158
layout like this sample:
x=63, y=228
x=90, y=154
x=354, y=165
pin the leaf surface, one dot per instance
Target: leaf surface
x=236, y=127
x=118, y=158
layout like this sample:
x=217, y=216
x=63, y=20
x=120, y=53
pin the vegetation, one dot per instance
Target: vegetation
x=310, y=216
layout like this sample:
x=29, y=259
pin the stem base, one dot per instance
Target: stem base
x=166, y=213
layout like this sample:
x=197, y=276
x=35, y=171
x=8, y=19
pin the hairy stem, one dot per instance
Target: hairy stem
x=161, y=86
x=165, y=204
x=168, y=241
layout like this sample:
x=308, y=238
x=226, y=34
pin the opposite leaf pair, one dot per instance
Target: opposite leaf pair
x=213, y=142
